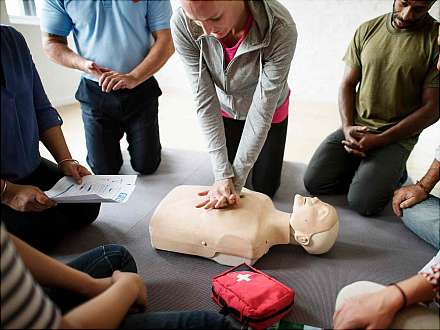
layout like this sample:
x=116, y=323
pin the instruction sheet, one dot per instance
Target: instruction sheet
x=93, y=189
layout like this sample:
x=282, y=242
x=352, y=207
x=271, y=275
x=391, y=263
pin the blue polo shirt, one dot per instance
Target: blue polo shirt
x=25, y=110
x=114, y=34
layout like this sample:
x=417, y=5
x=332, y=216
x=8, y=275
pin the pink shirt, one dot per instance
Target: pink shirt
x=282, y=111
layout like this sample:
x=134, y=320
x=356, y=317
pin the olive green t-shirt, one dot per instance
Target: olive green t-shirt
x=396, y=66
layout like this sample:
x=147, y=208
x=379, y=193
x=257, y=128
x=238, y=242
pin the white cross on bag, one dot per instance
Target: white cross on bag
x=243, y=277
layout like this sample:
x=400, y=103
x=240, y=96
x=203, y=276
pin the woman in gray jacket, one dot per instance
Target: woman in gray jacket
x=237, y=55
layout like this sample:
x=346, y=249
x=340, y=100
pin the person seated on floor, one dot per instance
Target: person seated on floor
x=419, y=210
x=369, y=305
x=98, y=290
x=392, y=58
x=27, y=117
x=240, y=234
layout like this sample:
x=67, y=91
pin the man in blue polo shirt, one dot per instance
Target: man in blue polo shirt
x=118, y=93
x=27, y=117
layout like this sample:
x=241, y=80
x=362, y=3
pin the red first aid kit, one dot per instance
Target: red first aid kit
x=252, y=297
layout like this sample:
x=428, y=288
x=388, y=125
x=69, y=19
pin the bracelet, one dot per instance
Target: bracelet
x=67, y=160
x=405, y=300
x=5, y=185
x=421, y=185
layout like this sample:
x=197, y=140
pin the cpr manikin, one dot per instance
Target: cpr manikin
x=232, y=236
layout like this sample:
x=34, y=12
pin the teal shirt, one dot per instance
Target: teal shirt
x=114, y=34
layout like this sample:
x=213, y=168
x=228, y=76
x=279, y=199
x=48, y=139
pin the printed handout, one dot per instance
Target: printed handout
x=93, y=189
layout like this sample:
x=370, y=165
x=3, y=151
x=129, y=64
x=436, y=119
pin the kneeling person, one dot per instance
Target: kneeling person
x=393, y=59
x=118, y=92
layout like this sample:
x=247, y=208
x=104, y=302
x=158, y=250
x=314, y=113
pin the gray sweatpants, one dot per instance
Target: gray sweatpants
x=370, y=181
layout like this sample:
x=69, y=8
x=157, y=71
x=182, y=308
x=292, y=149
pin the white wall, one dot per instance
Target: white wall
x=325, y=28
x=324, y=31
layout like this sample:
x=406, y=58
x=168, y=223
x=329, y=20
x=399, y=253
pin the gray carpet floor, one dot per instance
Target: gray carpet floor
x=378, y=249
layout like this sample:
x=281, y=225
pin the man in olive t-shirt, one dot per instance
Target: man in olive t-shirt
x=393, y=60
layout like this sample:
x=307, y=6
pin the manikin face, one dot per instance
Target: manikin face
x=315, y=224
x=310, y=211
x=407, y=13
x=216, y=18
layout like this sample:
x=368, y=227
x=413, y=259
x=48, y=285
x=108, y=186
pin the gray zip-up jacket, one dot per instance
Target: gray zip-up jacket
x=250, y=88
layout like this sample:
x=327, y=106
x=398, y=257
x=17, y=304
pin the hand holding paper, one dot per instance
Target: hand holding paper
x=93, y=189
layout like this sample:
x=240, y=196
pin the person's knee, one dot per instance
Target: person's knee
x=88, y=213
x=104, y=168
x=311, y=182
x=365, y=202
x=314, y=182
x=147, y=165
x=355, y=289
x=410, y=214
x=120, y=258
x=423, y=221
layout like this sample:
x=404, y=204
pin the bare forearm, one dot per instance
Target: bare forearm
x=347, y=97
x=432, y=176
x=57, y=49
x=50, y=272
x=105, y=311
x=53, y=140
x=412, y=124
x=417, y=289
x=155, y=60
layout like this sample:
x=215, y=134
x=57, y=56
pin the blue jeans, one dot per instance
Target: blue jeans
x=424, y=220
x=107, y=116
x=102, y=262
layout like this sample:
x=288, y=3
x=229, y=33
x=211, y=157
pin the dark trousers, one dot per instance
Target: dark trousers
x=370, y=182
x=102, y=262
x=107, y=116
x=45, y=229
x=266, y=173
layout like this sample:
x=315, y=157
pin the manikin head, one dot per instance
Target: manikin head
x=408, y=13
x=314, y=224
x=216, y=18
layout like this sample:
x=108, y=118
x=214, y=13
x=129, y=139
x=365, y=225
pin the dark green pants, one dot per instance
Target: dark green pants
x=369, y=182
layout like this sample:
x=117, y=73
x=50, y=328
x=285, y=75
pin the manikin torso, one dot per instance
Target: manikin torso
x=240, y=234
